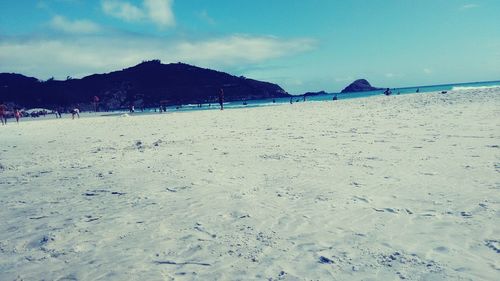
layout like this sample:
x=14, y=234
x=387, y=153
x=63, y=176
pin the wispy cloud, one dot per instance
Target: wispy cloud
x=122, y=10
x=469, y=6
x=427, y=71
x=77, y=26
x=204, y=16
x=157, y=11
x=160, y=12
x=241, y=48
x=81, y=55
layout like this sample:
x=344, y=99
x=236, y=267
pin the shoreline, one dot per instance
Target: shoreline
x=283, y=101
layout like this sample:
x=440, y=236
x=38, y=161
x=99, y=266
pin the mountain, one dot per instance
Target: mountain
x=360, y=85
x=17, y=87
x=146, y=84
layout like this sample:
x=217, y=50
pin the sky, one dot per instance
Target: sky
x=302, y=45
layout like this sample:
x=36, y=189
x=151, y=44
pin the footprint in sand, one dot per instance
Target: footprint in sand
x=441, y=249
x=389, y=210
x=89, y=194
x=177, y=188
x=200, y=228
x=41, y=241
x=325, y=260
x=358, y=198
x=466, y=214
x=493, y=244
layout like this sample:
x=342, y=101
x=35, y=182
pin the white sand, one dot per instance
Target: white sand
x=380, y=188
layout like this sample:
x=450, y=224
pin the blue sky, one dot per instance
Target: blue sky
x=306, y=45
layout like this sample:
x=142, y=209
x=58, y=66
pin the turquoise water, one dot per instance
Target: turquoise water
x=413, y=90
x=329, y=96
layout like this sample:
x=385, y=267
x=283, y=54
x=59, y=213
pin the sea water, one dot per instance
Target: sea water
x=323, y=97
x=341, y=96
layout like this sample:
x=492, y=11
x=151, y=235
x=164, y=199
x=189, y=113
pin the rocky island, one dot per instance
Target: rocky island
x=360, y=85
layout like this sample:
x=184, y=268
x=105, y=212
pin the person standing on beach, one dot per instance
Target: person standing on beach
x=3, y=113
x=17, y=114
x=221, y=99
x=95, y=102
x=74, y=112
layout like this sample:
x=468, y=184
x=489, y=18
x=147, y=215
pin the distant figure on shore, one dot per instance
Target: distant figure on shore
x=163, y=106
x=418, y=90
x=399, y=92
x=58, y=112
x=132, y=108
x=291, y=101
x=387, y=92
x=334, y=97
x=3, y=113
x=221, y=99
x=17, y=114
x=74, y=112
x=304, y=97
x=95, y=102
x=274, y=101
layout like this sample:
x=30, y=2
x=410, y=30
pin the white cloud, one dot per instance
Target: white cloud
x=83, y=55
x=77, y=26
x=157, y=11
x=427, y=70
x=122, y=10
x=469, y=6
x=240, y=48
x=160, y=12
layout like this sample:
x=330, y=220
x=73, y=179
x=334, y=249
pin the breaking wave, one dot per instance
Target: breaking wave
x=463, y=88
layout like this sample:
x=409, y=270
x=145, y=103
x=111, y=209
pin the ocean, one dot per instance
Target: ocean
x=295, y=99
x=329, y=96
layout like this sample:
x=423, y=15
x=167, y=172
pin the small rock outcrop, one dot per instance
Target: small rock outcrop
x=360, y=85
x=315, y=93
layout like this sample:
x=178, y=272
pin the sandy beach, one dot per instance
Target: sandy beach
x=382, y=188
